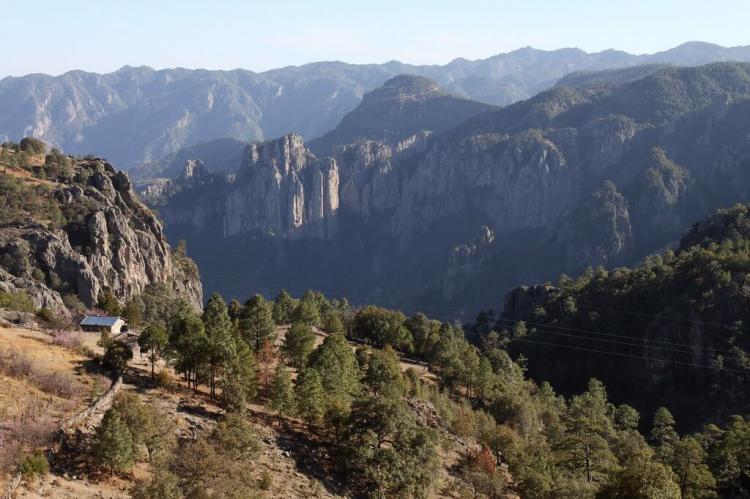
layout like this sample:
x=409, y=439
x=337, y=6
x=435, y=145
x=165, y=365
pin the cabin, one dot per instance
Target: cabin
x=97, y=324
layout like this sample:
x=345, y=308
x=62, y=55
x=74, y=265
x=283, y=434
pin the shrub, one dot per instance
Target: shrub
x=265, y=481
x=86, y=351
x=33, y=145
x=74, y=304
x=61, y=384
x=15, y=364
x=67, y=339
x=38, y=274
x=52, y=319
x=34, y=465
x=164, y=379
x=16, y=300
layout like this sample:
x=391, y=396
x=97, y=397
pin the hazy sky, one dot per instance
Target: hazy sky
x=55, y=36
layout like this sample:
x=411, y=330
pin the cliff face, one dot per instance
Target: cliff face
x=283, y=189
x=594, y=175
x=107, y=240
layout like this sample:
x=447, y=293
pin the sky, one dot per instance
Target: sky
x=48, y=36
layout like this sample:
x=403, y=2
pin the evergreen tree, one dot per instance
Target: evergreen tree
x=234, y=309
x=307, y=312
x=663, y=435
x=108, y=302
x=730, y=456
x=332, y=323
x=117, y=354
x=384, y=452
x=188, y=345
x=626, y=418
x=240, y=383
x=219, y=342
x=283, y=308
x=153, y=340
x=309, y=397
x=689, y=464
x=113, y=443
x=383, y=375
x=256, y=321
x=298, y=344
x=266, y=357
x=640, y=476
x=337, y=366
x=585, y=447
x=282, y=395
x=133, y=312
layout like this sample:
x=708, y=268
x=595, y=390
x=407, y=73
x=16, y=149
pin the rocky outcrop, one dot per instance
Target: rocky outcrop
x=283, y=189
x=465, y=262
x=194, y=175
x=108, y=241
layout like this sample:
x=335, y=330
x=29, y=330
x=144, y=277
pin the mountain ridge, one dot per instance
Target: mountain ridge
x=516, y=176
x=137, y=114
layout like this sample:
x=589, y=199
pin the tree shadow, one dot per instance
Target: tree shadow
x=312, y=455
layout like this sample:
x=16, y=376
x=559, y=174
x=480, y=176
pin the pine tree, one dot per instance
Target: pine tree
x=153, y=340
x=256, y=321
x=383, y=374
x=282, y=395
x=310, y=398
x=298, y=344
x=308, y=310
x=385, y=453
x=188, y=345
x=113, y=443
x=219, y=344
x=266, y=357
x=283, y=308
x=240, y=383
x=626, y=418
x=332, y=323
x=689, y=463
x=663, y=435
x=585, y=446
x=117, y=353
x=337, y=365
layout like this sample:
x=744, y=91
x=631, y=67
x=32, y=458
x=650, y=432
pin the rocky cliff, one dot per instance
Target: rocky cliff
x=100, y=238
x=599, y=174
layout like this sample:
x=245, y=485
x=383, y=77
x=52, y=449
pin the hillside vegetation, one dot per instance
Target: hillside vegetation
x=662, y=331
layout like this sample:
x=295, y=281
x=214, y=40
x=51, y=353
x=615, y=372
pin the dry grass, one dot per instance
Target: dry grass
x=42, y=384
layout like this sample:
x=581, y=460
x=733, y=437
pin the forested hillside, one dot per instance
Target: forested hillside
x=387, y=399
x=672, y=331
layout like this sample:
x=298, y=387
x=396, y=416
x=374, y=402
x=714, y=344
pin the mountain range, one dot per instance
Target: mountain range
x=139, y=115
x=603, y=172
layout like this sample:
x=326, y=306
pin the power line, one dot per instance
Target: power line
x=602, y=333
x=637, y=357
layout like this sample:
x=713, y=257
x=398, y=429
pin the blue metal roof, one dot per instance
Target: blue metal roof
x=95, y=320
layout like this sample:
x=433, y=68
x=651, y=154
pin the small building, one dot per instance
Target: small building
x=97, y=324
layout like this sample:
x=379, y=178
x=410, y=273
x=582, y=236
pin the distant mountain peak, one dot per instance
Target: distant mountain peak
x=403, y=106
x=405, y=87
